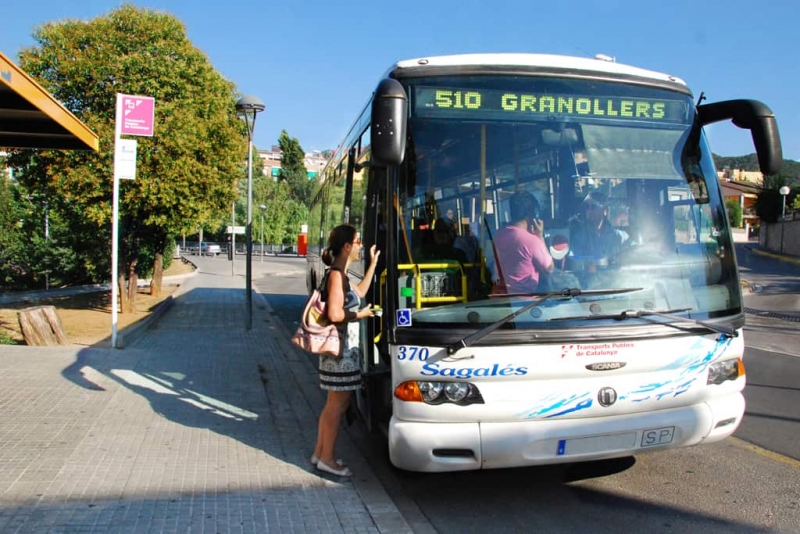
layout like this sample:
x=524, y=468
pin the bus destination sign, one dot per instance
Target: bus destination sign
x=442, y=102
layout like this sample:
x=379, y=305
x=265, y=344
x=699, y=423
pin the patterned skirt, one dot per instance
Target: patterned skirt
x=343, y=374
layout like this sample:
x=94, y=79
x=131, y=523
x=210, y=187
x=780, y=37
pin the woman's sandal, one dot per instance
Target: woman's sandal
x=314, y=461
x=343, y=472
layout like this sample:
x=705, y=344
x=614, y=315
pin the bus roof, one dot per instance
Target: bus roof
x=599, y=65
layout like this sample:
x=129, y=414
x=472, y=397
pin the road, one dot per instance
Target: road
x=772, y=355
x=726, y=487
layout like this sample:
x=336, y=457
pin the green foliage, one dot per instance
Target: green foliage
x=790, y=169
x=283, y=216
x=769, y=204
x=293, y=168
x=292, y=155
x=6, y=339
x=734, y=212
x=27, y=255
x=13, y=262
x=185, y=172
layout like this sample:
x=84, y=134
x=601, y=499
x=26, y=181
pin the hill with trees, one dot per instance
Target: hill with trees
x=749, y=162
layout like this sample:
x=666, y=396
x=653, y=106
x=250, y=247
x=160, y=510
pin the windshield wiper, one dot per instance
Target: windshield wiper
x=569, y=292
x=644, y=315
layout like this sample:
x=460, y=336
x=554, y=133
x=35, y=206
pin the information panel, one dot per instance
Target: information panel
x=450, y=102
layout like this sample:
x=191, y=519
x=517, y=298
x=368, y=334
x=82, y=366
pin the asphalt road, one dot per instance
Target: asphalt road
x=772, y=354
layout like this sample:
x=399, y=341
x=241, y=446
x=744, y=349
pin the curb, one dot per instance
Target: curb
x=37, y=294
x=130, y=334
x=774, y=256
x=382, y=509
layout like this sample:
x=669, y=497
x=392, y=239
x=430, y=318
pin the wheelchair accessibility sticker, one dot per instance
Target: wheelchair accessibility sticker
x=404, y=317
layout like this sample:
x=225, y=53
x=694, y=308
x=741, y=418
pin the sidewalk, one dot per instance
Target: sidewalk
x=200, y=425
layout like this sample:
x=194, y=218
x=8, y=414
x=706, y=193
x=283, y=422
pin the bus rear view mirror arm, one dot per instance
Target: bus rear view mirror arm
x=756, y=117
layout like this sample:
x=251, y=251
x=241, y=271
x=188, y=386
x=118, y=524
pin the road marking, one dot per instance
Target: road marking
x=765, y=453
x=775, y=256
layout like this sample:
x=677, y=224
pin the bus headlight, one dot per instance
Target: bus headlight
x=719, y=372
x=456, y=391
x=429, y=392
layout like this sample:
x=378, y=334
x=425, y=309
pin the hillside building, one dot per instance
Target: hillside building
x=314, y=162
x=743, y=187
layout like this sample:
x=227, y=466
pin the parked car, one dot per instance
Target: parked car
x=210, y=249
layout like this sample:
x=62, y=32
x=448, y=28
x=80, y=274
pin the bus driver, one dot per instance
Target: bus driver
x=592, y=234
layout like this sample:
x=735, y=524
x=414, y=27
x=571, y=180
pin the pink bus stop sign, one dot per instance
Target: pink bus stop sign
x=137, y=115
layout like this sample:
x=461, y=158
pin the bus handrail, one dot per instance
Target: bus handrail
x=419, y=299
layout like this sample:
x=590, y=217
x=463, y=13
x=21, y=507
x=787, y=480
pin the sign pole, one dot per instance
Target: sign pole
x=134, y=115
x=115, y=230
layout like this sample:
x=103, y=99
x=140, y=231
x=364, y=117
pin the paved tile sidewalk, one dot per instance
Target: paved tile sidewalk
x=200, y=426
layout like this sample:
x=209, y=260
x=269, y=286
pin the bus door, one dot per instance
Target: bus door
x=368, y=215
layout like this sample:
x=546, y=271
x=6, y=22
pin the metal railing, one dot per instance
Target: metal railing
x=241, y=249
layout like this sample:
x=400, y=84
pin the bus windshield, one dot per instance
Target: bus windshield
x=626, y=197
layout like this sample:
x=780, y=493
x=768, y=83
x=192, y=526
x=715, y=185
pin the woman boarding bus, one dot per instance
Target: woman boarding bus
x=619, y=350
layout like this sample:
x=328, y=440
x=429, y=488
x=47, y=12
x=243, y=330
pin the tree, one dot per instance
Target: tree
x=293, y=167
x=186, y=172
x=749, y=162
x=769, y=203
x=13, y=260
x=734, y=210
x=284, y=214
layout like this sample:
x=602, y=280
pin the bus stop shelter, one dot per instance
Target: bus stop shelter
x=31, y=118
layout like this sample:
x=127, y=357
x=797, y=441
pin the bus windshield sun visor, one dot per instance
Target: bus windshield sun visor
x=666, y=314
x=569, y=292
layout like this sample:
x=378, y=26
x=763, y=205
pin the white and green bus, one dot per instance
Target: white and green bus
x=616, y=352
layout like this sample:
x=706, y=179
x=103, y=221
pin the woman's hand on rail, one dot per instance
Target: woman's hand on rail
x=365, y=312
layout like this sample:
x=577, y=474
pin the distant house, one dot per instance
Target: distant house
x=743, y=187
x=314, y=162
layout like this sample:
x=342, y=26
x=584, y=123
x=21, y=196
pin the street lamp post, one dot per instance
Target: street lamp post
x=263, y=208
x=248, y=107
x=784, y=191
x=233, y=239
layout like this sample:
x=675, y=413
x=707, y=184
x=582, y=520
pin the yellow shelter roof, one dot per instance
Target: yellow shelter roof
x=31, y=118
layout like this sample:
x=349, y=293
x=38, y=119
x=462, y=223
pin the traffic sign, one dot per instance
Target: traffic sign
x=137, y=115
x=404, y=317
x=125, y=159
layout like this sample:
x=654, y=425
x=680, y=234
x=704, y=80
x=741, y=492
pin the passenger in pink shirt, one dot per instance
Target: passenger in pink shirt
x=523, y=256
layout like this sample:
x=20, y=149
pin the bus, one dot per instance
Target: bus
x=632, y=350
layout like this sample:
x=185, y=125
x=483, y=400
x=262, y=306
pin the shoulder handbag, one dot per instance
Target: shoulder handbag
x=316, y=334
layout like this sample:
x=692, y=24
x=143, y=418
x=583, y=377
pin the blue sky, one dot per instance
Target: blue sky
x=314, y=63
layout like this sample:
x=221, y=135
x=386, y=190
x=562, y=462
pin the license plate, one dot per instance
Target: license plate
x=658, y=436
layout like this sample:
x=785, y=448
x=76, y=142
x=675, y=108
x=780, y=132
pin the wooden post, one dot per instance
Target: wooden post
x=41, y=326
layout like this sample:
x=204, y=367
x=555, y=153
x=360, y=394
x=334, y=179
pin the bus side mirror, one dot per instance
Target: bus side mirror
x=389, y=116
x=756, y=117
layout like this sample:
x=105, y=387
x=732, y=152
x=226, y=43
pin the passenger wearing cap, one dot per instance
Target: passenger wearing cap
x=521, y=250
x=592, y=236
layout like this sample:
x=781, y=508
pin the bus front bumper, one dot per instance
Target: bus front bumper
x=437, y=447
